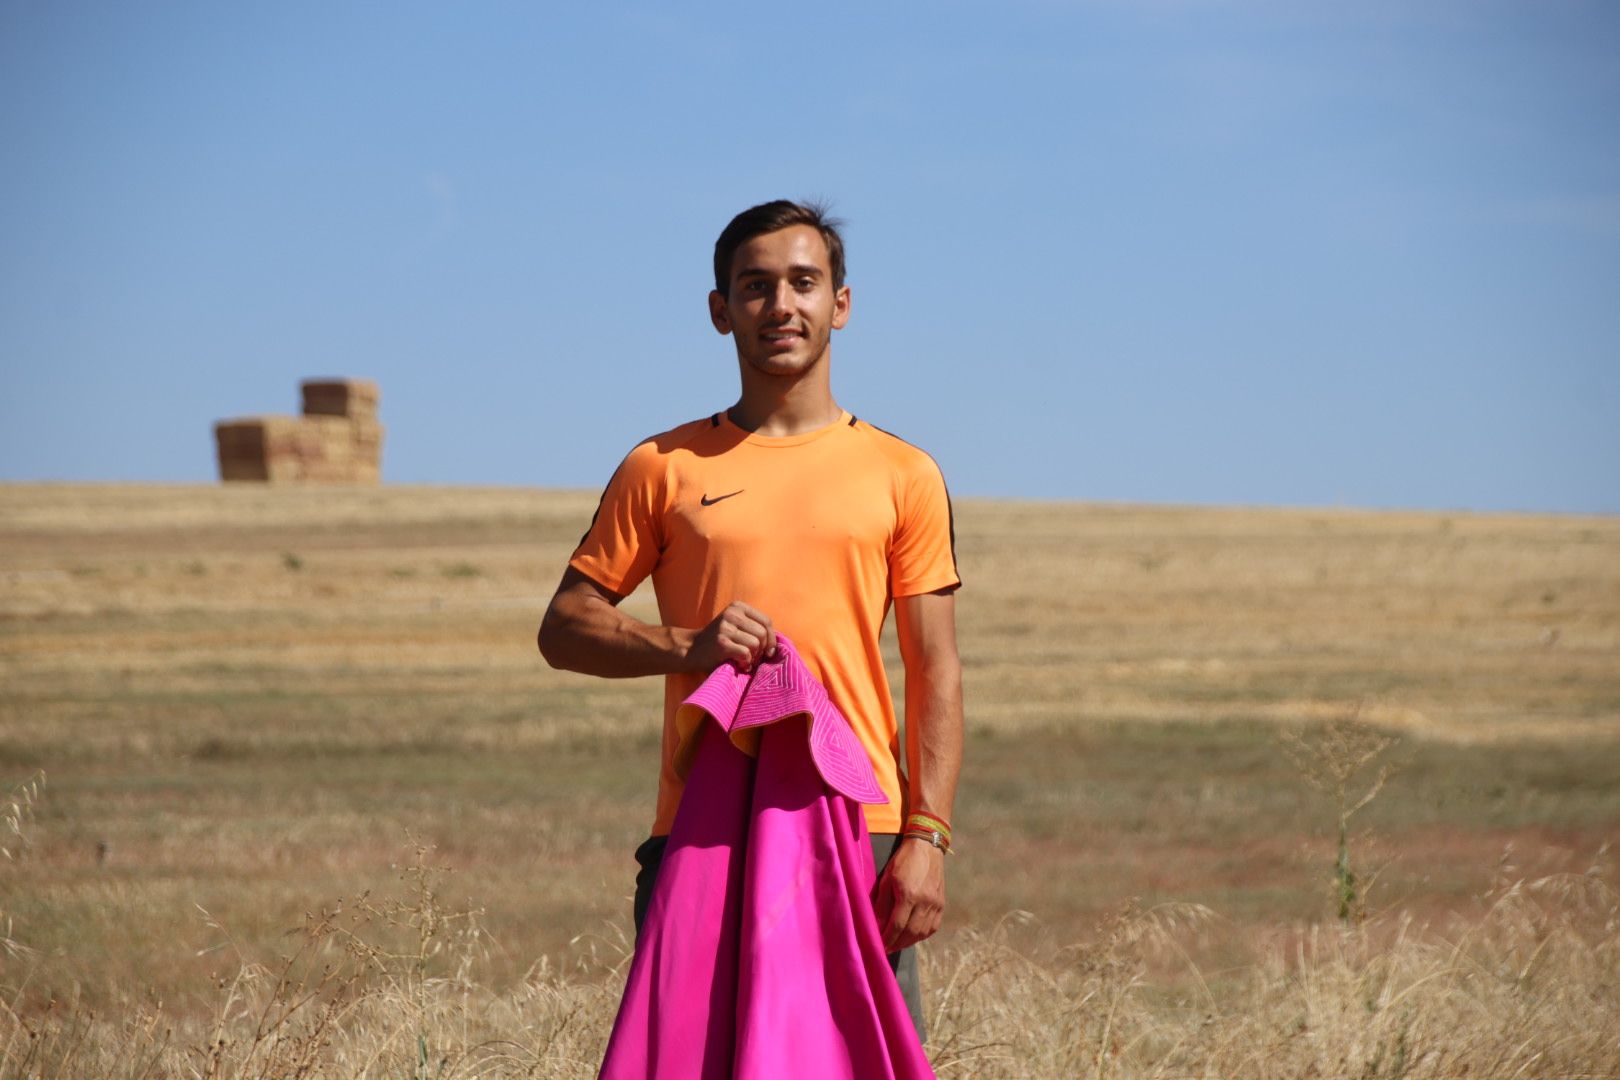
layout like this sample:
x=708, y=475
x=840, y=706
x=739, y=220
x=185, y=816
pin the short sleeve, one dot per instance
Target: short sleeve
x=923, y=556
x=625, y=537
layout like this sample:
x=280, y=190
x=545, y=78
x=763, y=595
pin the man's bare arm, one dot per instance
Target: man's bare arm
x=926, y=627
x=911, y=898
x=584, y=630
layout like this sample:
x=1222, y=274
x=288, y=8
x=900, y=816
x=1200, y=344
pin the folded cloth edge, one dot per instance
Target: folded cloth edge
x=838, y=754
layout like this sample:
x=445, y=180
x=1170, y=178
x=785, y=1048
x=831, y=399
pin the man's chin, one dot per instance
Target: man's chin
x=781, y=367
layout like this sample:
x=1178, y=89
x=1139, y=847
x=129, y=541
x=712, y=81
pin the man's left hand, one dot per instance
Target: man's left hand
x=911, y=895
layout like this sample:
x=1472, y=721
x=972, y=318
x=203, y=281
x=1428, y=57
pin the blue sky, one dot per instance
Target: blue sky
x=1262, y=253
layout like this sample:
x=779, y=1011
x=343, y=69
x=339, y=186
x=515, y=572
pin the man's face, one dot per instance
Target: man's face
x=782, y=307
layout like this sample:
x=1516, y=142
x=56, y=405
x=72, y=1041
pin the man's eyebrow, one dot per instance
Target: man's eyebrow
x=797, y=270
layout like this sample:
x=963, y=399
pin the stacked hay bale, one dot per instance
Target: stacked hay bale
x=343, y=438
x=337, y=441
x=260, y=448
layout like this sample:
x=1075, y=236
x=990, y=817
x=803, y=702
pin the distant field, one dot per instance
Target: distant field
x=245, y=698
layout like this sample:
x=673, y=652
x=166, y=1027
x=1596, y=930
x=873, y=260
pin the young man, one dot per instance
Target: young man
x=785, y=511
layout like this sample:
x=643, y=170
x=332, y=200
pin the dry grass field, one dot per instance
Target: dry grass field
x=250, y=704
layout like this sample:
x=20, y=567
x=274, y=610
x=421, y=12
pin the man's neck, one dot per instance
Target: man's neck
x=777, y=408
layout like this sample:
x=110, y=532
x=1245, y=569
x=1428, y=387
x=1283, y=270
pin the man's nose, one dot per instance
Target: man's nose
x=782, y=297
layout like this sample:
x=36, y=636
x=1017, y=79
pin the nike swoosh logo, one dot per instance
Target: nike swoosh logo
x=710, y=502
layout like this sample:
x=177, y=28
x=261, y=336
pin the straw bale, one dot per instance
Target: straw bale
x=254, y=432
x=340, y=397
x=325, y=436
x=367, y=433
x=282, y=469
x=263, y=468
x=243, y=469
x=337, y=441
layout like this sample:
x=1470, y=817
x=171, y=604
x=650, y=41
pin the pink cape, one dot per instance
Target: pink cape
x=760, y=957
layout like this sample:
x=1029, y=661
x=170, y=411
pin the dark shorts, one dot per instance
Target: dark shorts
x=904, y=963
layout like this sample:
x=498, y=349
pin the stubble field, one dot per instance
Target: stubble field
x=250, y=704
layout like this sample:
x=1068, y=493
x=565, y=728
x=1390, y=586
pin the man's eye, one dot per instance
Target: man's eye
x=805, y=284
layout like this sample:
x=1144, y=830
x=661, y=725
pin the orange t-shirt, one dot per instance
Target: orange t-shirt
x=819, y=531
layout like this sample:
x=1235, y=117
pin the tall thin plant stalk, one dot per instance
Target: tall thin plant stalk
x=1347, y=760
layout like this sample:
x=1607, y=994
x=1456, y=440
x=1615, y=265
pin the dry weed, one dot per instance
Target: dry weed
x=1346, y=760
x=14, y=844
x=371, y=988
x=1530, y=986
x=18, y=812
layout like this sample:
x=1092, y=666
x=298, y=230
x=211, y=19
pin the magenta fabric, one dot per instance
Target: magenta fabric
x=760, y=957
x=743, y=702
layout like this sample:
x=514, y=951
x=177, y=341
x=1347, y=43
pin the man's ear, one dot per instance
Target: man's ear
x=718, y=313
x=840, y=308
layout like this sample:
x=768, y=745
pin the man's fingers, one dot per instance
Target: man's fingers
x=743, y=622
x=764, y=621
x=922, y=925
x=740, y=635
x=749, y=637
x=895, y=931
x=759, y=624
x=753, y=640
x=885, y=901
x=888, y=915
x=731, y=650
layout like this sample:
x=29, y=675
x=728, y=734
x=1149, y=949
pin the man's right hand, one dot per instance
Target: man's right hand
x=741, y=633
x=584, y=631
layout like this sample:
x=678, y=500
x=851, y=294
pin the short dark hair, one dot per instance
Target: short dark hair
x=768, y=218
